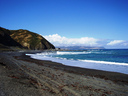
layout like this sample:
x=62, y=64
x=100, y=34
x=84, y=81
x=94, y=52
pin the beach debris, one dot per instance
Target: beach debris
x=12, y=76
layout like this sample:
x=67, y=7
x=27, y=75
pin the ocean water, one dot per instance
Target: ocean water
x=115, y=60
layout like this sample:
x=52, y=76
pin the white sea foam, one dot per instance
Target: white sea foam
x=69, y=53
x=82, y=52
x=105, y=62
x=99, y=65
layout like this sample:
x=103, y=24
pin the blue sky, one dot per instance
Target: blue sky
x=99, y=22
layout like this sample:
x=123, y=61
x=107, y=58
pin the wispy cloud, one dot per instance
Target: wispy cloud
x=58, y=40
x=120, y=43
x=115, y=42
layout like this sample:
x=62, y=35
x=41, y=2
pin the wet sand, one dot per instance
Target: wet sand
x=21, y=75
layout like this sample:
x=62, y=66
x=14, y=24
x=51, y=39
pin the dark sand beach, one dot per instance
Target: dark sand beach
x=21, y=75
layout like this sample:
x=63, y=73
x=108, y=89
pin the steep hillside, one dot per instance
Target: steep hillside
x=30, y=40
x=6, y=40
x=24, y=38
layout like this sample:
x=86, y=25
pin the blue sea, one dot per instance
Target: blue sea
x=114, y=60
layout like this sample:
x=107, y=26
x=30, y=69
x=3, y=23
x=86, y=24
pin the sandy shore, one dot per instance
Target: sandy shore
x=22, y=76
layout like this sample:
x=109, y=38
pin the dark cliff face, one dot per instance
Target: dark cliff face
x=6, y=40
x=24, y=38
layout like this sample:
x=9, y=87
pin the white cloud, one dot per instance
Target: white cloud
x=58, y=40
x=116, y=42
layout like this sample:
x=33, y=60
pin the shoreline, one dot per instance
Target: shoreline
x=46, y=78
x=88, y=64
x=78, y=70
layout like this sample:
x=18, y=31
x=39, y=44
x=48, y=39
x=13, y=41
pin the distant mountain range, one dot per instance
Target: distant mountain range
x=23, y=39
x=78, y=47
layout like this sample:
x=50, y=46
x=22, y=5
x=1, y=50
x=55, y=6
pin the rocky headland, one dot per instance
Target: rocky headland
x=23, y=39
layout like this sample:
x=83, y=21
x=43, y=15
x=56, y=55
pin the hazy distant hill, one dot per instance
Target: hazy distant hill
x=23, y=38
x=79, y=47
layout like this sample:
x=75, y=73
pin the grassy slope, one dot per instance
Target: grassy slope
x=23, y=38
x=33, y=40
